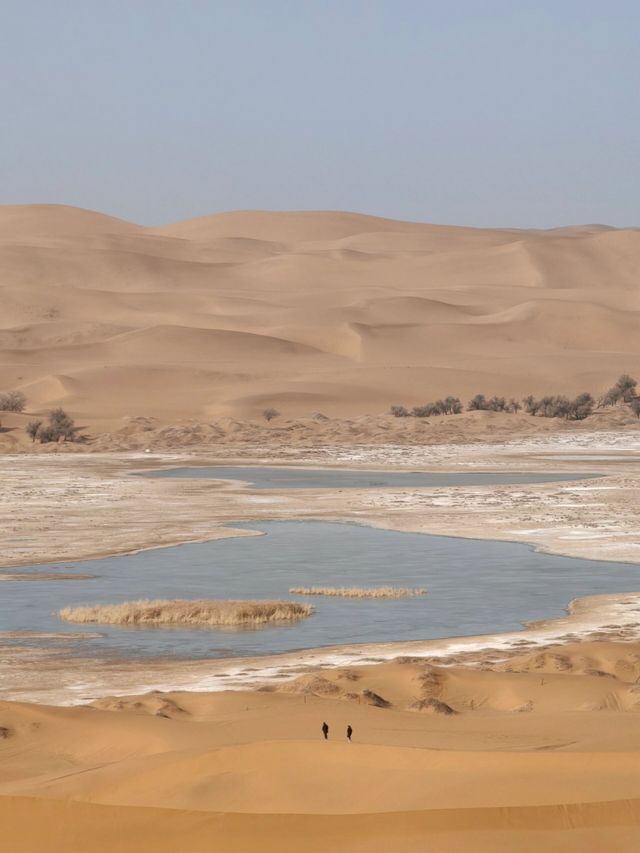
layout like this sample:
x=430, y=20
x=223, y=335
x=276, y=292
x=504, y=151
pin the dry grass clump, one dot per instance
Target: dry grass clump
x=205, y=613
x=432, y=706
x=359, y=592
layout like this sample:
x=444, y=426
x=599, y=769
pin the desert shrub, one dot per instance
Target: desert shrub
x=452, y=405
x=560, y=406
x=448, y=406
x=399, y=411
x=513, y=406
x=581, y=407
x=270, y=414
x=62, y=424
x=477, y=403
x=58, y=426
x=12, y=401
x=557, y=407
x=497, y=404
x=47, y=434
x=32, y=429
x=634, y=405
x=425, y=411
x=622, y=392
x=626, y=386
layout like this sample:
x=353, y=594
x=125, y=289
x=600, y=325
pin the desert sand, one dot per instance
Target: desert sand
x=166, y=344
x=539, y=752
x=502, y=744
x=310, y=312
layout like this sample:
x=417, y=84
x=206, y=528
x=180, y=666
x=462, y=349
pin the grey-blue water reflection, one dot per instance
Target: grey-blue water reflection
x=473, y=587
x=305, y=478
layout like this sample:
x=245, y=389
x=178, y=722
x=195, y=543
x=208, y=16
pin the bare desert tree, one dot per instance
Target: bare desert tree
x=560, y=406
x=581, y=407
x=32, y=429
x=12, y=401
x=634, y=405
x=270, y=414
x=477, y=403
x=622, y=392
x=58, y=426
x=448, y=406
x=497, y=404
x=399, y=411
x=452, y=405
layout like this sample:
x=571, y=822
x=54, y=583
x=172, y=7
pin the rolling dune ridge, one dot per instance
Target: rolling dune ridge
x=537, y=752
x=340, y=312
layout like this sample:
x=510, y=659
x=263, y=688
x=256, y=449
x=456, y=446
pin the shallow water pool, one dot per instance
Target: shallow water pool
x=474, y=587
x=306, y=478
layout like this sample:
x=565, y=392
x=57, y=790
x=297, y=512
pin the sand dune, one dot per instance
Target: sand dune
x=188, y=768
x=305, y=310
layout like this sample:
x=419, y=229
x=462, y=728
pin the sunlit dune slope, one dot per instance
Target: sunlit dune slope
x=250, y=769
x=304, y=311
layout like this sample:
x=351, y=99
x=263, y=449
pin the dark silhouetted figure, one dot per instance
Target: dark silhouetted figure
x=325, y=731
x=349, y=732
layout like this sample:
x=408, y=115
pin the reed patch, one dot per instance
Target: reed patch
x=359, y=592
x=203, y=613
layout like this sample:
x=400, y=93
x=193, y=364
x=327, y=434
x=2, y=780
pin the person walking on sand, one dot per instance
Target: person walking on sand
x=325, y=731
x=349, y=733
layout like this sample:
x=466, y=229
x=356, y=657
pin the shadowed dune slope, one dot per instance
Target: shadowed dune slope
x=305, y=310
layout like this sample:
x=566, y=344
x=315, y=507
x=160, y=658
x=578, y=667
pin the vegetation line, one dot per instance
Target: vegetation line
x=551, y=406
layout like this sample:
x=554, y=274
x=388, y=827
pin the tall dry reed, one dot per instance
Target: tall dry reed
x=184, y=612
x=359, y=592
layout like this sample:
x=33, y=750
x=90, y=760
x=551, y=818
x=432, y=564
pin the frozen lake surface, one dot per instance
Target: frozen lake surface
x=474, y=587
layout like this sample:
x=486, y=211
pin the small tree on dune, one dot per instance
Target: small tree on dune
x=581, y=407
x=399, y=411
x=62, y=424
x=425, y=411
x=12, y=401
x=622, y=392
x=270, y=414
x=58, y=426
x=477, y=403
x=32, y=429
x=497, y=404
x=626, y=386
x=452, y=405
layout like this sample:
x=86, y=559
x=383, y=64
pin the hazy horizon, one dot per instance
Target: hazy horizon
x=557, y=227
x=487, y=115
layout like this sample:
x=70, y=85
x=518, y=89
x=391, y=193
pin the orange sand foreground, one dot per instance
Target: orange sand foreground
x=539, y=752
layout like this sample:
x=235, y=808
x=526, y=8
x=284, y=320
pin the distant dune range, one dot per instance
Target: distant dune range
x=305, y=311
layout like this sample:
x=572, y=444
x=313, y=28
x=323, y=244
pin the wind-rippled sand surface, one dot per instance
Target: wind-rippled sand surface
x=534, y=751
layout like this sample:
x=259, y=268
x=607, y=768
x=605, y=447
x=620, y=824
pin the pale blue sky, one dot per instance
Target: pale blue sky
x=480, y=112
